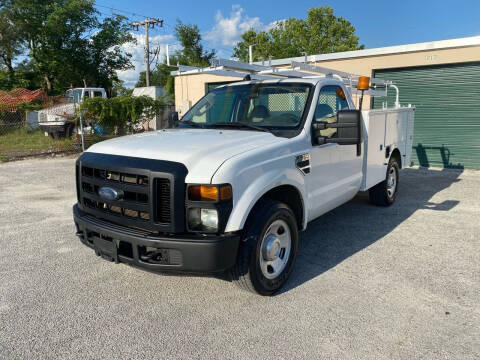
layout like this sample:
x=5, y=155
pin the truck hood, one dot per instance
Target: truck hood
x=202, y=151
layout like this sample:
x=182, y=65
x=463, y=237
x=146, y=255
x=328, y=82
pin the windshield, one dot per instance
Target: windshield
x=270, y=106
x=74, y=95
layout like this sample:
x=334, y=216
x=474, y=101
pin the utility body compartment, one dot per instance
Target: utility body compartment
x=385, y=130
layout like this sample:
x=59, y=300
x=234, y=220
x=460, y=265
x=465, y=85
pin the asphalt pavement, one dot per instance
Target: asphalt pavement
x=369, y=283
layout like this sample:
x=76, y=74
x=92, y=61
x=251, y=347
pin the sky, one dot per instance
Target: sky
x=377, y=23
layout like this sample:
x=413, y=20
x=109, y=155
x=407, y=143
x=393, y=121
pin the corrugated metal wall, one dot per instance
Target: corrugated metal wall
x=447, y=116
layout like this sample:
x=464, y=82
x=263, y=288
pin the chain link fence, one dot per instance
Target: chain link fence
x=58, y=129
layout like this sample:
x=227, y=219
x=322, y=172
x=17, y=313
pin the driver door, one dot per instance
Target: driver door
x=336, y=170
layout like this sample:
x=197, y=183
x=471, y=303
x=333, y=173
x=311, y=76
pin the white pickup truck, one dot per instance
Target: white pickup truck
x=56, y=121
x=249, y=166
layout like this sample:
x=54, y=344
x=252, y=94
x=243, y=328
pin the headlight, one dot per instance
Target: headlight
x=203, y=219
x=208, y=207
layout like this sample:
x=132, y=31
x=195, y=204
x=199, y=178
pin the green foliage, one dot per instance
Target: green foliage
x=10, y=46
x=66, y=44
x=119, y=89
x=120, y=112
x=321, y=32
x=158, y=76
x=191, y=53
x=104, y=54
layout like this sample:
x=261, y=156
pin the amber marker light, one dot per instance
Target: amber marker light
x=363, y=83
x=209, y=192
x=340, y=93
x=226, y=192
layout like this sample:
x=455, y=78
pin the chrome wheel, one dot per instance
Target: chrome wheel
x=391, y=182
x=275, y=249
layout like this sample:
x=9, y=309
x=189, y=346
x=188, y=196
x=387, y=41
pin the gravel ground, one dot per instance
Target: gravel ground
x=369, y=283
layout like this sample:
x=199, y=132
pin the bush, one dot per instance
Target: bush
x=121, y=112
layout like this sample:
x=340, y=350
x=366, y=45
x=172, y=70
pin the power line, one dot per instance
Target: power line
x=123, y=11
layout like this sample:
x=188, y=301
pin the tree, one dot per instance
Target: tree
x=321, y=32
x=96, y=60
x=191, y=53
x=67, y=44
x=158, y=76
x=10, y=44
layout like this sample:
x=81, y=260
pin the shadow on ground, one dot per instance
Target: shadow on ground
x=352, y=227
x=348, y=229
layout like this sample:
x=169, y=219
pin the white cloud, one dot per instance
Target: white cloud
x=227, y=31
x=130, y=77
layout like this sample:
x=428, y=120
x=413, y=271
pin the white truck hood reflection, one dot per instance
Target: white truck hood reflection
x=202, y=151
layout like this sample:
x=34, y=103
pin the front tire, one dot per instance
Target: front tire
x=385, y=193
x=268, y=249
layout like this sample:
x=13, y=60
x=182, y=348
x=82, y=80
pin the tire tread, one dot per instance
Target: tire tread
x=240, y=272
x=378, y=194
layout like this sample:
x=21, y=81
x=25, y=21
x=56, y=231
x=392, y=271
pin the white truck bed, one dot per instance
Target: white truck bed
x=383, y=129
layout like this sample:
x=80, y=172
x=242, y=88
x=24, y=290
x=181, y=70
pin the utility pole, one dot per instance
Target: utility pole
x=168, y=56
x=147, y=23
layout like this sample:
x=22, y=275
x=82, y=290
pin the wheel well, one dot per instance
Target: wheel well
x=288, y=195
x=396, y=155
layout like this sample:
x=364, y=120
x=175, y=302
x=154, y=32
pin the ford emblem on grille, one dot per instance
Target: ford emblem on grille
x=108, y=193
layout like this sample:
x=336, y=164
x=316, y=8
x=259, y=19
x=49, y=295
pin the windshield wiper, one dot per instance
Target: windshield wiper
x=240, y=125
x=190, y=122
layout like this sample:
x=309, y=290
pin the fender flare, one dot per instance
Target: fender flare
x=255, y=190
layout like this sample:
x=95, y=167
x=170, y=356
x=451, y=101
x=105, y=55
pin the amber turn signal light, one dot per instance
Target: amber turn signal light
x=363, y=83
x=209, y=192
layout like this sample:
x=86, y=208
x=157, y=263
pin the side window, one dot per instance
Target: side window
x=97, y=94
x=330, y=100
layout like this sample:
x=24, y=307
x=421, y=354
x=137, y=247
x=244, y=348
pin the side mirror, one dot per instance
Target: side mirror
x=348, y=125
x=172, y=119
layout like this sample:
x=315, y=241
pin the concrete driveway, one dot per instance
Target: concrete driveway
x=369, y=283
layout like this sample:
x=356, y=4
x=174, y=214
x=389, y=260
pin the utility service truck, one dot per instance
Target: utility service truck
x=245, y=169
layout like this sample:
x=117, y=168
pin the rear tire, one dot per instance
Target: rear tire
x=385, y=193
x=268, y=249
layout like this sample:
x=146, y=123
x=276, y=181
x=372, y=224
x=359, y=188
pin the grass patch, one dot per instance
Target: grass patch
x=21, y=142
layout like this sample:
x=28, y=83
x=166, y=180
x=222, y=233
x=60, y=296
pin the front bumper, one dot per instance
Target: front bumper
x=177, y=253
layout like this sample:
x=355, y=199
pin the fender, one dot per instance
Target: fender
x=249, y=195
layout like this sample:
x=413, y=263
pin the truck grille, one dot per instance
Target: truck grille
x=135, y=205
x=140, y=193
x=164, y=213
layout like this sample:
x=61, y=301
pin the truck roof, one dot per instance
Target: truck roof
x=87, y=88
x=313, y=80
x=297, y=73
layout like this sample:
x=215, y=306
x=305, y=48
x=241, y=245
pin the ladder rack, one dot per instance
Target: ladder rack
x=225, y=67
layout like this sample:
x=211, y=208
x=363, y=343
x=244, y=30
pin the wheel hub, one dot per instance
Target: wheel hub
x=271, y=248
x=275, y=249
x=391, y=182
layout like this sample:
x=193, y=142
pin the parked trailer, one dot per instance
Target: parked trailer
x=249, y=166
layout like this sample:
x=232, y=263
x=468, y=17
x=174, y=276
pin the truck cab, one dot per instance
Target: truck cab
x=244, y=171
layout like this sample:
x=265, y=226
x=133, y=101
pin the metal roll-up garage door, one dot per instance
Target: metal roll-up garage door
x=447, y=116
